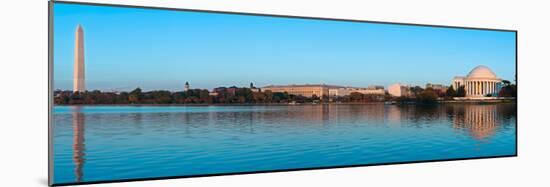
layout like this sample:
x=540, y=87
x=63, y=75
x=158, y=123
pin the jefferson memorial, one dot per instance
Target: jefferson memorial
x=480, y=82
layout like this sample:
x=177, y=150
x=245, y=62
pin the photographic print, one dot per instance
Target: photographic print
x=150, y=93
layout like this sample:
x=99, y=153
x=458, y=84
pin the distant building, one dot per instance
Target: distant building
x=398, y=90
x=254, y=89
x=376, y=90
x=306, y=90
x=377, y=87
x=186, y=87
x=218, y=90
x=229, y=91
x=371, y=90
x=480, y=82
x=232, y=90
x=438, y=87
x=338, y=92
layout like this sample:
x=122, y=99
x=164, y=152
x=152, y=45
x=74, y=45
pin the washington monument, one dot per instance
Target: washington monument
x=78, y=79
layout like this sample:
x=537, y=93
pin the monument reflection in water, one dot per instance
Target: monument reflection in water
x=78, y=142
x=125, y=142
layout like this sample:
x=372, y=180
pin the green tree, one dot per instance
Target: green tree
x=268, y=96
x=509, y=90
x=122, y=98
x=205, y=96
x=258, y=97
x=506, y=82
x=416, y=91
x=450, y=92
x=428, y=96
x=161, y=97
x=135, y=96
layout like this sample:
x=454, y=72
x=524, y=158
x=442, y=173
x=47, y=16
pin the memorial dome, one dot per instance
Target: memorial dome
x=482, y=72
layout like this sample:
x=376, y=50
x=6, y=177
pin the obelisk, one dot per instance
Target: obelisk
x=78, y=79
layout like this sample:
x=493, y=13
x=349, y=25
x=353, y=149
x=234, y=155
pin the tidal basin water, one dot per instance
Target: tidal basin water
x=93, y=143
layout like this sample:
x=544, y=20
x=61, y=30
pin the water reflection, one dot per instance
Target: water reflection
x=480, y=121
x=243, y=138
x=78, y=121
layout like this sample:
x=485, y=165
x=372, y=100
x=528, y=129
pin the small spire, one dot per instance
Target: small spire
x=186, y=87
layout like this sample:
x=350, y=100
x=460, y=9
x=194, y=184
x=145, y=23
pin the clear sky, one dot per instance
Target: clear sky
x=127, y=48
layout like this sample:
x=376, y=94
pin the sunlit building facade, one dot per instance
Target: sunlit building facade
x=340, y=92
x=306, y=90
x=398, y=90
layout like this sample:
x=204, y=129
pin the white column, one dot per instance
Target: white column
x=477, y=87
x=486, y=88
x=473, y=88
x=482, y=88
x=492, y=88
x=467, y=88
x=473, y=85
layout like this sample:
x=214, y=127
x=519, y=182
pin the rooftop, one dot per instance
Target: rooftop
x=304, y=85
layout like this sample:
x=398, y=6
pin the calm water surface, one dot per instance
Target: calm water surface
x=93, y=143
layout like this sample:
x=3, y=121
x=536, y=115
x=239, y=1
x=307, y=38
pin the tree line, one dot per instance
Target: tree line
x=234, y=95
x=192, y=96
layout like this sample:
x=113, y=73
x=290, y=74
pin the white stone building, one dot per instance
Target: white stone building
x=480, y=82
x=339, y=92
x=398, y=90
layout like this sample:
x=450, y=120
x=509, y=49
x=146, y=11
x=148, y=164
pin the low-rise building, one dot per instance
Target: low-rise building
x=398, y=90
x=306, y=90
x=229, y=91
x=437, y=87
x=338, y=92
x=371, y=90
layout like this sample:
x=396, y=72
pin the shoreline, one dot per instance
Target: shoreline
x=472, y=101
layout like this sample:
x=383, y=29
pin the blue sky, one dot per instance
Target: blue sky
x=127, y=48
